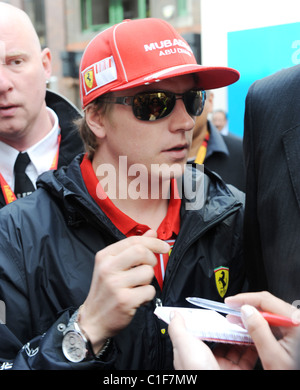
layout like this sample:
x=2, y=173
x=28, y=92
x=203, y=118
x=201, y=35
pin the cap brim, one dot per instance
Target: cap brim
x=206, y=77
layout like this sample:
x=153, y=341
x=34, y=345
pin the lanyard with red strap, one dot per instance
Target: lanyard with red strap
x=9, y=195
x=202, y=150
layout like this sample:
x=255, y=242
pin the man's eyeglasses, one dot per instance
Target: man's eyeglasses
x=154, y=105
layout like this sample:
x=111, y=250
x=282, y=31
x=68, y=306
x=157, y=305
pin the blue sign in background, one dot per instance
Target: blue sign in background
x=257, y=53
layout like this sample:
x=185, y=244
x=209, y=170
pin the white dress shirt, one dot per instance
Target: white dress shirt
x=41, y=155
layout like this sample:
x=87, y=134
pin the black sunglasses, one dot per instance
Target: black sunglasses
x=154, y=105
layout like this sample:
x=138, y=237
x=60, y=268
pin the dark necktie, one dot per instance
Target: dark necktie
x=23, y=185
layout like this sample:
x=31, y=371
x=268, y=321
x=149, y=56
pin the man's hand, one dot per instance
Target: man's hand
x=121, y=283
x=191, y=353
x=277, y=348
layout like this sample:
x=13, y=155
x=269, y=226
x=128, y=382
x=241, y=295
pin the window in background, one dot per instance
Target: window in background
x=101, y=14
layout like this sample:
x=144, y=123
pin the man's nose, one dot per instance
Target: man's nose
x=181, y=119
x=5, y=83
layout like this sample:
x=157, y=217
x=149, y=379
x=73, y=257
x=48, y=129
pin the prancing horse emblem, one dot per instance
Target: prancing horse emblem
x=222, y=280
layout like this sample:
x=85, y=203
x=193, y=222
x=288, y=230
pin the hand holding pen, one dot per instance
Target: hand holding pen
x=272, y=318
x=278, y=347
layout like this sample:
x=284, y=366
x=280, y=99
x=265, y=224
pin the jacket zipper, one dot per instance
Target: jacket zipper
x=158, y=302
x=161, y=342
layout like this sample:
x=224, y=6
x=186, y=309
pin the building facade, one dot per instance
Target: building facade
x=66, y=26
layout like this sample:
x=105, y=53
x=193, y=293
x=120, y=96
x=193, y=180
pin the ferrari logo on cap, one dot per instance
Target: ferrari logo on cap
x=89, y=78
x=222, y=280
x=99, y=74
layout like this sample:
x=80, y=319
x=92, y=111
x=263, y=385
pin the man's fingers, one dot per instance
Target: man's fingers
x=127, y=259
x=139, y=296
x=150, y=242
x=189, y=352
x=261, y=334
x=176, y=327
x=150, y=233
x=263, y=301
x=138, y=276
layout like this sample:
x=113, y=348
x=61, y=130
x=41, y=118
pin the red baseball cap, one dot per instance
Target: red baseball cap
x=140, y=52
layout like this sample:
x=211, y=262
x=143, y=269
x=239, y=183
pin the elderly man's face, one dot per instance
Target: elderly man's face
x=24, y=69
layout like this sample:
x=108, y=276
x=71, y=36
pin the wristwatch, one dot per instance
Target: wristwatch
x=76, y=346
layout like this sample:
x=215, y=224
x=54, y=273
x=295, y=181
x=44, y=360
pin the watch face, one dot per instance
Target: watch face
x=74, y=347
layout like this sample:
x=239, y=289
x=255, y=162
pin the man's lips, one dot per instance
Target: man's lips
x=178, y=151
x=177, y=148
x=8, y=110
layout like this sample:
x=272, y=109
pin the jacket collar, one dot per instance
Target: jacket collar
x=71, y=143
x=216, y=142
x=213, y=197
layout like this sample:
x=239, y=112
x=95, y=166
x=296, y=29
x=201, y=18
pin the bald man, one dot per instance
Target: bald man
x=35, y=125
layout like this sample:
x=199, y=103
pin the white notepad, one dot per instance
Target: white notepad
x=207, y=325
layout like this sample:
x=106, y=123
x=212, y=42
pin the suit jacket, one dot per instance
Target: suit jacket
x=71, y=143
x=225, y=157
x=272, y=159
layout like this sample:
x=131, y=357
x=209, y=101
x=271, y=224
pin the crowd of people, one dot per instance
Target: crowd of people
x=137, y=200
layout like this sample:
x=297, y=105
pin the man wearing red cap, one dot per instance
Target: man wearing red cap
x=121, y=230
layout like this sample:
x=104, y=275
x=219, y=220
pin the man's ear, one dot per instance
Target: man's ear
x=46, y=61
x=95, y=120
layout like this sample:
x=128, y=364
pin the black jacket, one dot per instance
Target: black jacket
x=71, y=143
x=272, y=156
x=47, y=246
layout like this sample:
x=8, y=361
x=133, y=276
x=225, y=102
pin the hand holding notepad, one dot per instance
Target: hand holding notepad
x=207, y=325
x=258, y=315
x=212, y=326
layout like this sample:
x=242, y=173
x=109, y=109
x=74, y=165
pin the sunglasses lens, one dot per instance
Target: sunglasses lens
x=150, y=106
x=194, y=102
